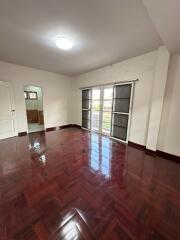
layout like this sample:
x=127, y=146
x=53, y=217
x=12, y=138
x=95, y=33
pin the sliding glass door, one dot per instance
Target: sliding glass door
x=107, y=109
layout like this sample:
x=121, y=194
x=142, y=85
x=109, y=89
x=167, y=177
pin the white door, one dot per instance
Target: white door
x=8, y=126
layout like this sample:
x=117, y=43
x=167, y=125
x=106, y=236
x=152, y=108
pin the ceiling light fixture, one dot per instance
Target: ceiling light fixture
x=64, y=43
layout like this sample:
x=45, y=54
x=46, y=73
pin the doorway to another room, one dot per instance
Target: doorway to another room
x=34, y=108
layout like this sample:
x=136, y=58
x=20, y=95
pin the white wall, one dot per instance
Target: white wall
x=34, y=104
x=169, y=135
x=56, y=93
x=157, y=98
x=141, y=67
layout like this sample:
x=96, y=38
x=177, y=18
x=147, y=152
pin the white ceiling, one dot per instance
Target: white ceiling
x=103, y=31
x=165, y=15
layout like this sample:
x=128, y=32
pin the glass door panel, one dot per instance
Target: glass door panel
x=96, y=107
x=106, y=123
x=107, y=110
x=102, y=109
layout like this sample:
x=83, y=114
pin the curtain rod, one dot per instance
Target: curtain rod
x=111, y=83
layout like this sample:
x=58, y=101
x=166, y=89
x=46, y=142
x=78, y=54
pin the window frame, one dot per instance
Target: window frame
x=34, y=93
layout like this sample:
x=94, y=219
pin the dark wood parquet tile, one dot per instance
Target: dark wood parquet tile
x=73, y=184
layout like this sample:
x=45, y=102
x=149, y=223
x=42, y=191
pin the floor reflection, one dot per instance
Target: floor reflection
x=34, y=146
x=70, y=231
x=42, y=159
x=100, y=155
x=74, y=184
x=107, y=159
x=38, y=148
x=36, y=140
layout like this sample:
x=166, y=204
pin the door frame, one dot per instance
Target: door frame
x=13, y=108
x=34, y=85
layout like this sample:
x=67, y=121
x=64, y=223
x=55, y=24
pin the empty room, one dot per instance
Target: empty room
x=89, y=119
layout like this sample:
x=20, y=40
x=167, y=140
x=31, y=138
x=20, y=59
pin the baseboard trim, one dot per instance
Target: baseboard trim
x=168, y=156
x=76, y=126
x=136, y=145
x=63, y=127
x=21, y=134
x=151, y=152
x=157, y=153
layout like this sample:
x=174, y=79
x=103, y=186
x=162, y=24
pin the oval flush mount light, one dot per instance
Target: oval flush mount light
x=64, y=43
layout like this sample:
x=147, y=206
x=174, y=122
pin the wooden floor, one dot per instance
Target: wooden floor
x=72, y=184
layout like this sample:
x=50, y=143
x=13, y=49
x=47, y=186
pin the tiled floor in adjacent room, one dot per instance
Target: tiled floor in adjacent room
x=35, y=127
x=73, y=184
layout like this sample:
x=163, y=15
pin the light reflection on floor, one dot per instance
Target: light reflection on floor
x=34, y=146
x=42, y=159
x=100, y=157
x=70, y=231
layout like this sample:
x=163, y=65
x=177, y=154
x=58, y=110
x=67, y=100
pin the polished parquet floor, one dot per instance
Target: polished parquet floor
x=73, y=184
